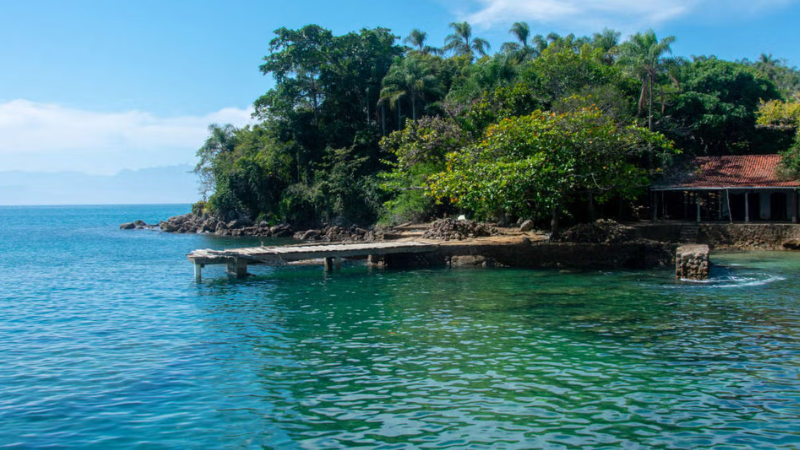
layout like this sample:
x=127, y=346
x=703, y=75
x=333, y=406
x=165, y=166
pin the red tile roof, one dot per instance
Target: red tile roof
x=731, y=171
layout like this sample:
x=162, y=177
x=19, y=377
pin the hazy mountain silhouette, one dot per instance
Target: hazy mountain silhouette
x=172, y=184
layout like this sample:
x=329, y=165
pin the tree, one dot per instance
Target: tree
x=221, y=140
x=410, y=78
x=416, y=39
x=522, y=48
x=461, y=41
x=715, y=112
x=607, y=42
x=784, y=116
x=643, y=55
x=417, y=152
x=530, y=166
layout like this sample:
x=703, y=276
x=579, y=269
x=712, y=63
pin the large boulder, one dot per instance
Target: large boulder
x=526, y=225
x=127, y=226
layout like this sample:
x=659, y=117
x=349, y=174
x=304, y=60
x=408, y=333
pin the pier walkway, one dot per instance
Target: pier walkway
x=237, y=260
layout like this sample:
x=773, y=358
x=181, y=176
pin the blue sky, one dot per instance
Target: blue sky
x=101, y=86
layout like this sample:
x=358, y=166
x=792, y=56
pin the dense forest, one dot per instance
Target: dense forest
x=361, y=129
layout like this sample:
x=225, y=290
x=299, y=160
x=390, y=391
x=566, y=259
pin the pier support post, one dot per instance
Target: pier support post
x=198, y=272
x=237, y=267
x=333, y=263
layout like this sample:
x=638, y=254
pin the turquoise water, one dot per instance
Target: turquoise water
x=107, y=342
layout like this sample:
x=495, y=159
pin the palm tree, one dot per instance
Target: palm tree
x=607, y=41
x=461, y=41
x=413, y=78
x=643, y=54
x=417, y=40
x=522, y=32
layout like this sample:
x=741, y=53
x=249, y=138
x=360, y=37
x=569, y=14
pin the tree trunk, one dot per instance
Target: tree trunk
x=554, y=220
x=413, y=109
x=650, y=103
x=383, y=119
x=591, y=206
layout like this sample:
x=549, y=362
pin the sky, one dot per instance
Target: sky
x=98, y=87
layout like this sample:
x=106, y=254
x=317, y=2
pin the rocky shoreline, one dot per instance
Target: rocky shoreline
x=444, y=229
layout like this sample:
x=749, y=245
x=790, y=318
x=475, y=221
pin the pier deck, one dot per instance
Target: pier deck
x=238, y=259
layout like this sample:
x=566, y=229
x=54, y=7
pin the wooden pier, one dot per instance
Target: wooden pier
x=237, y=259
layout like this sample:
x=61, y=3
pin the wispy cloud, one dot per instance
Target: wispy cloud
x=618, y=13
x=48, y=137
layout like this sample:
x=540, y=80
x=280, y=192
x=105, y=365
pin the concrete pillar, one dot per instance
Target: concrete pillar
x=198, y=272
x=328, y=264
x=237, y=267
x=691, y=262
x=793, y=203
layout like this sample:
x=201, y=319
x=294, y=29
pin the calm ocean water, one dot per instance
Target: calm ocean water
x=106, y=342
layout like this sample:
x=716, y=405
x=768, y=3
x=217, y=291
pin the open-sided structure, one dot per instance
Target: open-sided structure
x=743, y=188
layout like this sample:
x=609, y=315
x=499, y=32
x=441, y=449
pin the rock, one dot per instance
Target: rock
x=792, y=244
x=282, y=230
x=127, y=226
x=602, y=231
x=526, y=225
x=447, y=229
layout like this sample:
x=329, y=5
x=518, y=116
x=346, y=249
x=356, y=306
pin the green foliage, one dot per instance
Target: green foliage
x=716, y=111
x=418, y=151
x=412, y=78
x=529, y=166
x=199, y=208
x=555, y=115
x=784, y=116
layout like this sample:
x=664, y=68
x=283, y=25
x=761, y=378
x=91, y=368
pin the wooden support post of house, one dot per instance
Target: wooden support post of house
x=746, y=207
x=237, y=267
x=728, y=201
x=697, y=202
x=655, y=206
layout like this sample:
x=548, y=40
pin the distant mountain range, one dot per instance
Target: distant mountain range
x=172, y=184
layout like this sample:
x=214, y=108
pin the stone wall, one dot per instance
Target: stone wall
x=638, y=255
x=726, y=236
x=691, y=262
x=767, y=236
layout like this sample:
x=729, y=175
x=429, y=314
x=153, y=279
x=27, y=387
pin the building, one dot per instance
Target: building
x=746, y=188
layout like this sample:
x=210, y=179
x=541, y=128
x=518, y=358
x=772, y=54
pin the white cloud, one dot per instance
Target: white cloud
x=629, y=14
x=46, y=137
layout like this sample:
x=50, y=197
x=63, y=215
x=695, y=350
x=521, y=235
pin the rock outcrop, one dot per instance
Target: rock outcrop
x=449, y=229
x=603, y=231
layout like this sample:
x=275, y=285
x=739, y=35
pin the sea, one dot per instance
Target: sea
x=108, y=342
